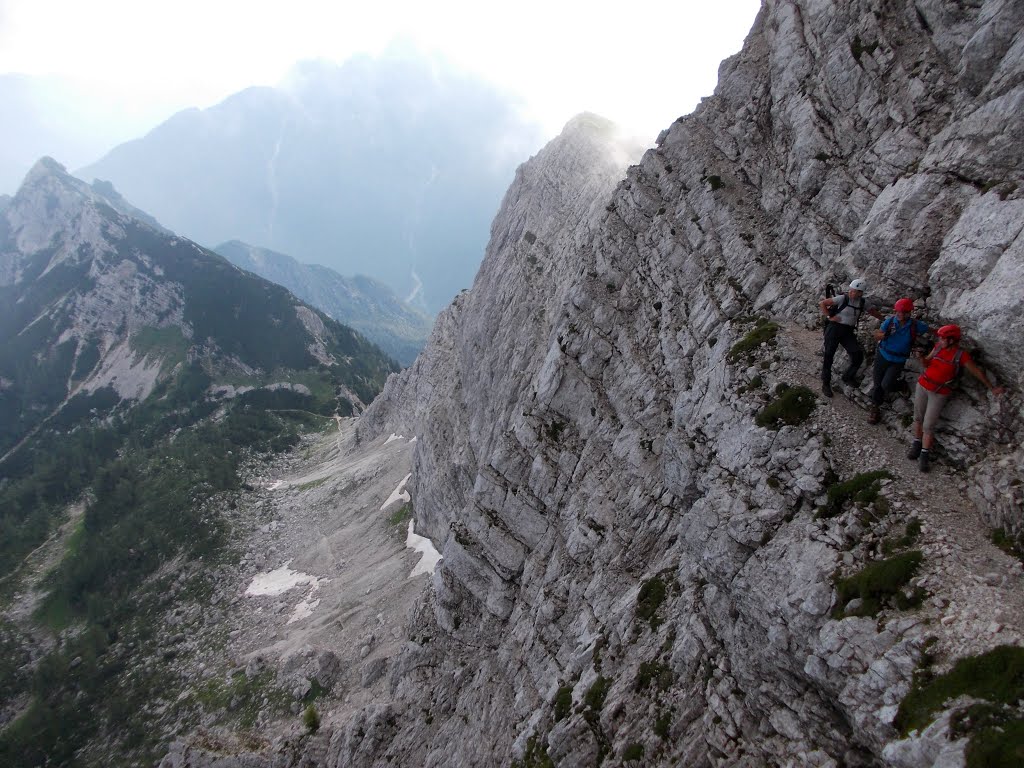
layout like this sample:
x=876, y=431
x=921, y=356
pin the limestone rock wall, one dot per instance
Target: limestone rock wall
x=629, y=562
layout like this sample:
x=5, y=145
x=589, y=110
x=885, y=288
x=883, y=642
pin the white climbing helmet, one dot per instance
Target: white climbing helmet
x=860, y=284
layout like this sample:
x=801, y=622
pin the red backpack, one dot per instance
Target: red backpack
x=944, y=374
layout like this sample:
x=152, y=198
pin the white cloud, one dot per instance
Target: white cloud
x=641, y=64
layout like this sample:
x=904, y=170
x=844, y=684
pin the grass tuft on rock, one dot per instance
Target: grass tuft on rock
x=863, y=489
x=595, y=695
x=311, y=719
x=633, y=752
x=791, y=406
x=998, y=742
x=910, y=535
x=401, y=515
x=880, y=583
x=563, y=703
x=1009, y=545
x=535, y=756
x=652, y=595
x=662, y=725
x=996, y=729
x=653, y=673
x=764, y=331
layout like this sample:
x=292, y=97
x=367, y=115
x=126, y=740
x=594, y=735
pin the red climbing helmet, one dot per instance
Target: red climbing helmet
x=904, y=305
x=949, y=332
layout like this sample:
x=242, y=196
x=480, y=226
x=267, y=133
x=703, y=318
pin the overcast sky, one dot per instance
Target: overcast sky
x=640, y=63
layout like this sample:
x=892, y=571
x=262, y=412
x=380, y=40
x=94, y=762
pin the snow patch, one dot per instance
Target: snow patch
x=303, y=610
x=393, y=438
x=279, y=581
x=399, y=494
x=423, y=545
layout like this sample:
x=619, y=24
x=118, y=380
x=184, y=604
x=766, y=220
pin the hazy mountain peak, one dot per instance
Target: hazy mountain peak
x=49, y=204
x=45, y=166
x=391, y=166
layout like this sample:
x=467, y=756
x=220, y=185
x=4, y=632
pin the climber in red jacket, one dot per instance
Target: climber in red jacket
x=933, y=389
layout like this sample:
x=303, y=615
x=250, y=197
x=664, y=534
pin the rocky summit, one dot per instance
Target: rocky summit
x=660, y=545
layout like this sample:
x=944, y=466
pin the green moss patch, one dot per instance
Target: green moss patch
x=662, y=725
x=1009, y=545
x=596, y=694
x=535, y=756
x=997, y=742
x=166, y=343
x=652, y=595
x=633, y=752
x=792, y=406
x=311, y=719
x=879, y=584
x=862, y=489
x=244, y=696
x=996, y=730
x=563, y=702
x=763, y=331
x=401, y=515
x=313, y=484
x=653, y=673
x=910, y=535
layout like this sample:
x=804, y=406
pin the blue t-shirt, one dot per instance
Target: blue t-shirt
x=895, y=347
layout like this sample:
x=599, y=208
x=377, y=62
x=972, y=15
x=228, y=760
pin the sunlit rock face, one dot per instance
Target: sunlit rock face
x=631, y=565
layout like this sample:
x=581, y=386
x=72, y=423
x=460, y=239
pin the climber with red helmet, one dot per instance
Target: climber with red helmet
x=933, y=389
x=895, y=338
x=843, y=312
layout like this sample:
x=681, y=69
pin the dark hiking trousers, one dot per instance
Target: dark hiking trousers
x=886, y=374
x=838, y=335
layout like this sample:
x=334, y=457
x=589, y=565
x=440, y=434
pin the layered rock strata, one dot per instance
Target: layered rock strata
x=632, y=567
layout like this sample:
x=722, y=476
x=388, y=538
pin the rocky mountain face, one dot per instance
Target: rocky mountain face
x=359, y=302
x=658, y=546
x=389, y=167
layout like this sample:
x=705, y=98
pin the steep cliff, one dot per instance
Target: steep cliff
x=638, y=564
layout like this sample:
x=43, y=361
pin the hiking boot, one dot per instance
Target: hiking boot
x=922, y=461
x=915, y=450
x=874, y=415
x=826, y=389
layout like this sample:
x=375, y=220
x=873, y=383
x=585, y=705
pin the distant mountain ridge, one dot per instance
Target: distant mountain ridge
x=360, y=302
x=391, y=167
x=104, y=304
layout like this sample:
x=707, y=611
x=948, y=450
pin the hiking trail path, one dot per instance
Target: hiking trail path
x=975, y=598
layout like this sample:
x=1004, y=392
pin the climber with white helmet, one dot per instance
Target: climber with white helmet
x=896, y=336
x=935, y=386
x=843, y=312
